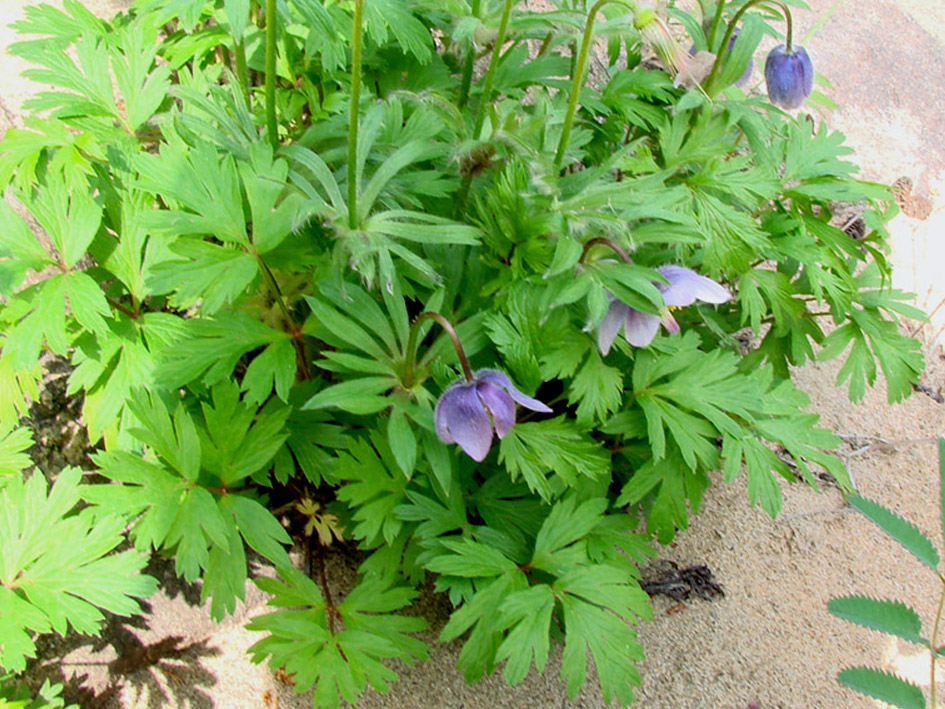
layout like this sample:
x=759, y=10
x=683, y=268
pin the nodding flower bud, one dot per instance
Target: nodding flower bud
x=789, y=75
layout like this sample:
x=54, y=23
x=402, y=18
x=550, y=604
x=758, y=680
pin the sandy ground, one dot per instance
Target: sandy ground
x=770, y=641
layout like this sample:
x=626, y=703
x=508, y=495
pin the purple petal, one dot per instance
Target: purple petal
x=439, y=414
x=669, y=322
x=686, y=287
x=491, y=375
x=499, y=404
x=610, y=325
x=640, y=328
x=467, y=421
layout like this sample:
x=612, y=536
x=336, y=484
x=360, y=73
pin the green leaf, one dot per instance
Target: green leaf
x=478, y=655
x=275, y=210
x=337, y=661
x=211, y=347
x=534, y=449
x=596, y=388
x=567, y=523
x=19, y=250
x=71, y=217
x=527, y=616
x=13, y=459
x=45, y=584
x=891, y=617
x=900, y=529
x=883, y=686
x=142, y=85
x=274, y=367
x=470, y=559
x=357, y=396
x=239, y=440
x=200, y=180
x=402, y=441
x=610, y=642
x=374, y=487
x=213, y=274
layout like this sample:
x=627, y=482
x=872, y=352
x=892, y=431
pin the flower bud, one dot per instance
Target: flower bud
x=789, y=75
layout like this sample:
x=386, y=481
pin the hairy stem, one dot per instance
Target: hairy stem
x=353, y=114
x=271, y=27
x=242, y=76
x=613, y=245
x=469, y=65
x=489, y=79
x=577, y=80
x=410, y=355
x=723, y=46
x=716, y=21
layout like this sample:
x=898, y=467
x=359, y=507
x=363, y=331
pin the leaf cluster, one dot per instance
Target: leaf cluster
x=242, y=215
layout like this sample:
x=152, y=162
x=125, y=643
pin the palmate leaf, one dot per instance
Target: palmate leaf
x=184, y=501
x=86, y=80
x=338, y=661
x=43, y=316
x=208, y=349
x=109, y=366
x=672, y=483
x=199, y=180
x=891, y=617
x=534, y=449
x=599, y=603
x=375, y=486
x=53, y=23
x=45, y=584
x=900, y=529
x=596, y=388
x=13, y=459
x=883, y=686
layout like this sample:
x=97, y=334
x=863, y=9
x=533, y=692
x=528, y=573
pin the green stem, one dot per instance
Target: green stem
x=294, y=328
x=716, y=21
x=723, y=47
x=353, y=114
x=239, y=53
x=410, y=355
x=470, y=62
x=489, y=79
x=271, y=26
x=578, y=78
x=933, y=642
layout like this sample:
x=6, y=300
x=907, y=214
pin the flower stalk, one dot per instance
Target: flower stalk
x=353, y=113
x=610, y=243
x=733, y=23
x=271, y=27
x=466, y=82
x=577, y=79
x=410, y=359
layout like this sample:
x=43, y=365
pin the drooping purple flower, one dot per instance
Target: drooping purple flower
x=789, y=75
x=467, y=412
x=684, y=287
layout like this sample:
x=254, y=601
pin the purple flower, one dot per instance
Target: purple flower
x=789, y=75
x=684, y=288
x=467, y=411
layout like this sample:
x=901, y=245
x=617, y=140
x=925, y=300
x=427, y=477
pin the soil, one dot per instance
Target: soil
x=741, y=620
